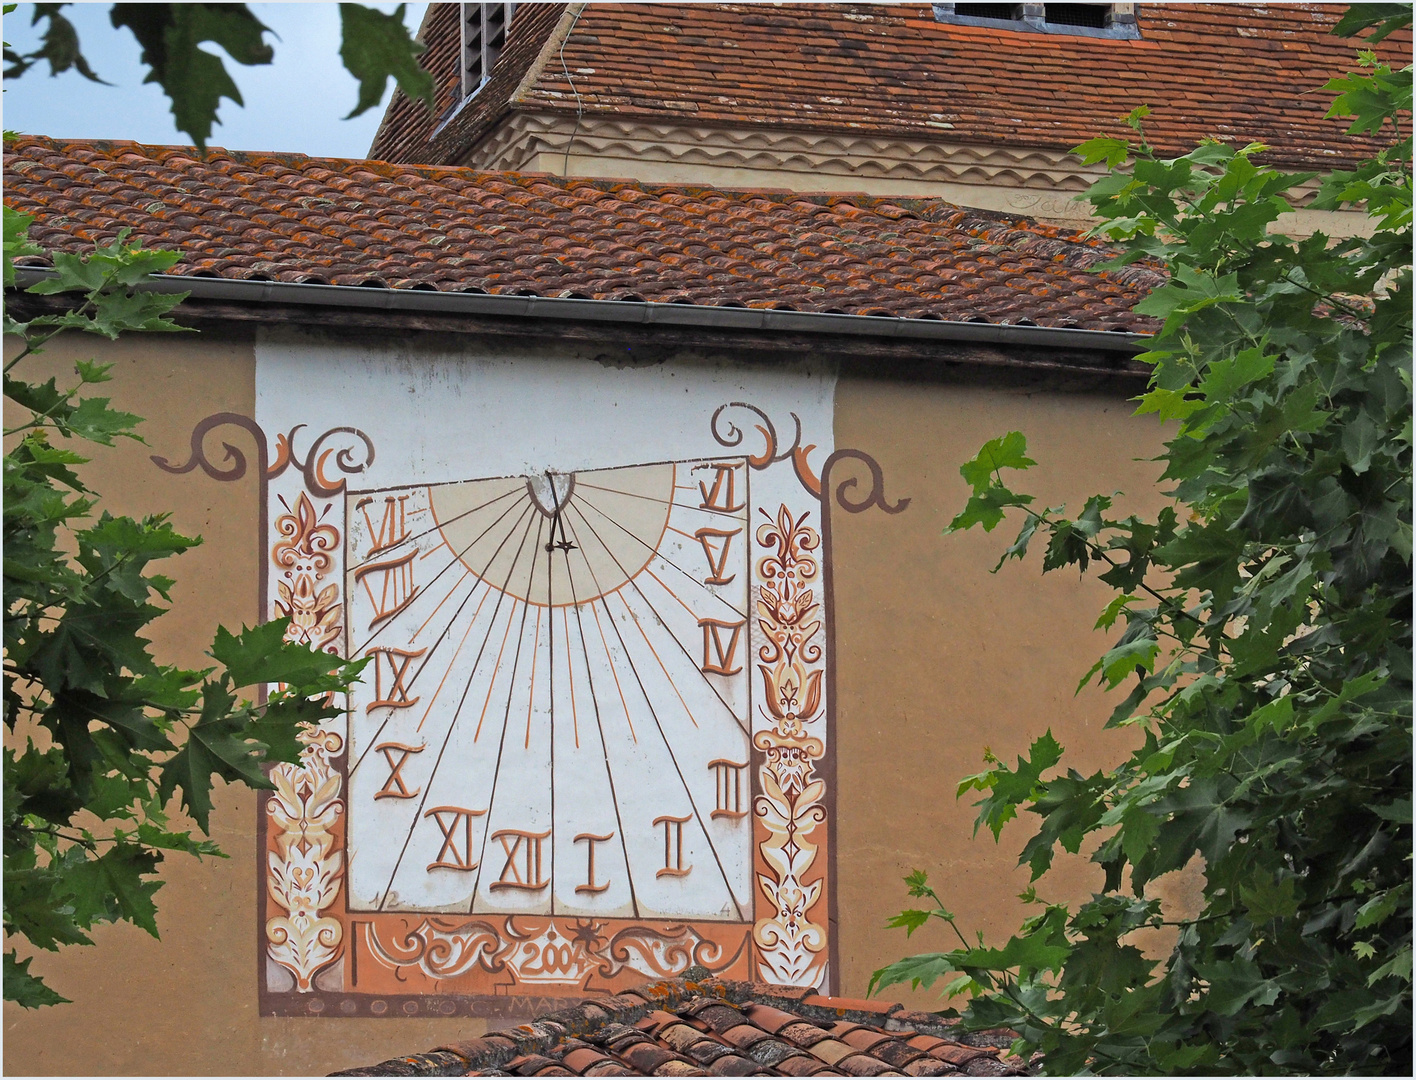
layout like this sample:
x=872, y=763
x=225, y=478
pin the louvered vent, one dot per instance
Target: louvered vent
x=484, y=30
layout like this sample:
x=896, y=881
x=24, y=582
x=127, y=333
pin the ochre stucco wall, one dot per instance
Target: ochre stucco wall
x=187, y=1004
x=937, y=658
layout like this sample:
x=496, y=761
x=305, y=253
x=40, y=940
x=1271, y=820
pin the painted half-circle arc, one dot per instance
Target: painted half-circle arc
x=613, y=522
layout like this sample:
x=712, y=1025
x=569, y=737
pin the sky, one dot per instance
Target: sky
x=295, y=104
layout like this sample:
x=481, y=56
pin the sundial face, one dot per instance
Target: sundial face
x=556, y=715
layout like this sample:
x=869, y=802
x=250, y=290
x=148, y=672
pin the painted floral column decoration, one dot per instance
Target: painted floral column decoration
x=305, y=854
x=305, y=861
x=789, y=806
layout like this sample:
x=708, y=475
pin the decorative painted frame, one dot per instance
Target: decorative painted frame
x=319, y=958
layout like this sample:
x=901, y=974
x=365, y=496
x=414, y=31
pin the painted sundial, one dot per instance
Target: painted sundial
x=555, y=719
x=591, y=743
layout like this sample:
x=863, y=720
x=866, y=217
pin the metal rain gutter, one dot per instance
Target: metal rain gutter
x=630, y=312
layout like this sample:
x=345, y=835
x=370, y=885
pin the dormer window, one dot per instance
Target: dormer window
x=1086, y=20
x=484, y=30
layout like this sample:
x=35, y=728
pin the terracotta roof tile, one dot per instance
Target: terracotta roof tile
x=770, y=1019
x=733, y=1065
x=862, y=1037
x=701, y=1026
x=896, y=1052
x=928, y=1066
x=958, y=1056
x=803, y=1033
x=286, y=217
x=801, y=1065
x=1240, y=71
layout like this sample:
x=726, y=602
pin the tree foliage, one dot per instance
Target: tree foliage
x=1263, y=642
x=374, y=47
x=110, y=735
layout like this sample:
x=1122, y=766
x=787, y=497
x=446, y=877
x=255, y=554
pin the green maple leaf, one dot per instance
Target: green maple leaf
x=376, y=47
x=38, y=783
x=59, y=46
x=1035, y=952
x=119, y=548
x=33, y=909
x=1005, y=452
x=16, y=242
x=1226, y=378
x=909, y=921
x=194, y=80
x=111, y=887
x=215, y=746
x=44, y=398
x=152, y=836
x=279, y=724
x=260, y=654
x=1008, y=787
x=25, y=989
x=93, y=420
x=919, y=971
x=1269, y=899
x=1233, y=984
x=986, y=508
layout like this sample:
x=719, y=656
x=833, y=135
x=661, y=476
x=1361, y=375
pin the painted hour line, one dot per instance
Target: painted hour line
x=446, y=595
x=595, y=549
x=472, y=622
x=589, y=885
x=506, y=716
x=655, y=653
x=570, y=678
x=531, y=697
x=442, y=637
x=492, y=683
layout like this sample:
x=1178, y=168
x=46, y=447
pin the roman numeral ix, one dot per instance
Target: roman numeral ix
x=395, y=662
